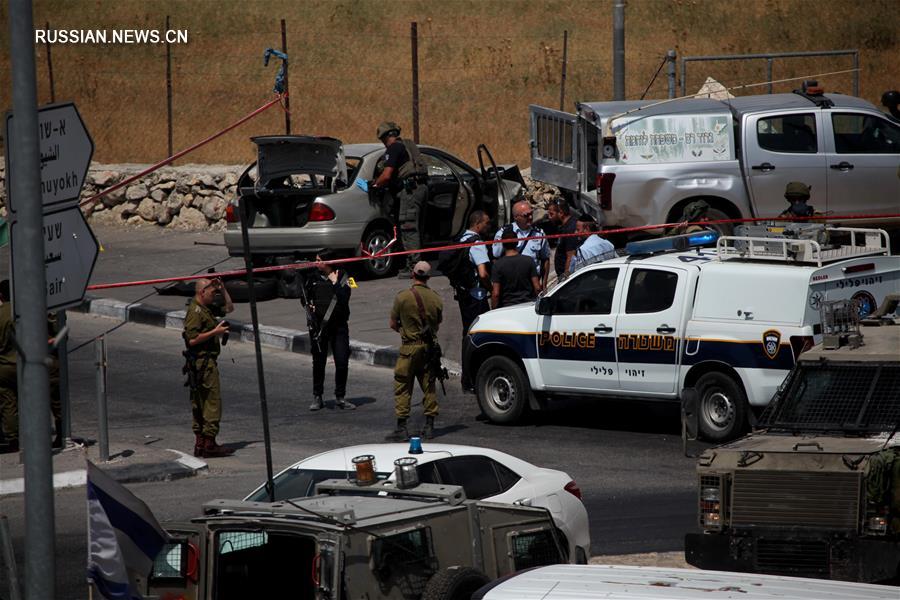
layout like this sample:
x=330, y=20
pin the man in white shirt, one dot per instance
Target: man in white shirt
x=537, y=250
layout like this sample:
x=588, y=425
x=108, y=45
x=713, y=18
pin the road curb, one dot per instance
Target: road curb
x=279, y=338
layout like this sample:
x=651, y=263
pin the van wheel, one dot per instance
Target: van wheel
x=502, y=389
x=375, y=240
x=722, y=406
x=455, y=583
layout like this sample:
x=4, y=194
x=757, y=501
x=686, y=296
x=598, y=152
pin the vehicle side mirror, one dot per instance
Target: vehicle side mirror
x=544, y=305
x=690, y=416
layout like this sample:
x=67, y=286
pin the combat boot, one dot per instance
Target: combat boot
x=58, y=438
x=343, y=404
x=400, y=434
x=428, y=432
x=317, y=403
x=198, y=444
x=213, y=450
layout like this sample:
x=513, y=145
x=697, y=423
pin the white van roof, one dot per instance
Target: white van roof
x=613, y=582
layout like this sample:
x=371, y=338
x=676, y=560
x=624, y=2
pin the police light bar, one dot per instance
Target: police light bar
x=675, y=242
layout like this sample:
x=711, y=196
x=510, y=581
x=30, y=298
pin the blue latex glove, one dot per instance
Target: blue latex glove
x=362, y=184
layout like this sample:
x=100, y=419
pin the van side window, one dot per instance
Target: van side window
x=788, y=133
x=650, y=291
x=864, y=134
x=589, y=292
x=534, y=549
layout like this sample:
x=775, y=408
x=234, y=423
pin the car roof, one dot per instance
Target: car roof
x=614, y=582
x=340, y=458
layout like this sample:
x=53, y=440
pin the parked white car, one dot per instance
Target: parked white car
x=484, y=473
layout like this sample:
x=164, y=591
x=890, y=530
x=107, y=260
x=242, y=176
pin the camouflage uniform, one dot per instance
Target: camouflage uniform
x=206, y=398
x=411, y=362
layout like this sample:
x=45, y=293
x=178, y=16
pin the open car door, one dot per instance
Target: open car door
x=179, y=570
x=503, y=183
x=554, y=147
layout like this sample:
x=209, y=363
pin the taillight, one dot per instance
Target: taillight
x=320, y=212
x=231, y=214
x=604, y=190
x=573, y=489
x=711, y=502
x=801, y=343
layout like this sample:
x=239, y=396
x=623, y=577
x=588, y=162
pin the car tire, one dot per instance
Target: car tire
x=454, y=583
x=265, y=288
x=722, y=406
x=502, y=389
x=715, y=214
x=374, y=240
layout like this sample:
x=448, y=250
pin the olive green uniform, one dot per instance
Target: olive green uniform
x=9, y=412
x=206, y=398
x=411, y=362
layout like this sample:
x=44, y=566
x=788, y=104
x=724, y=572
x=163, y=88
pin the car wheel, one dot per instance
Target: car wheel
x=374, y=241
x=714, y=214
x=723, y=407
x=455, y=583
x=502, y=389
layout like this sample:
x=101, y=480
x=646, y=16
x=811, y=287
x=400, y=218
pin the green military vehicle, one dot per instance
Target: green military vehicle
x=815, y=490
x=352, y=542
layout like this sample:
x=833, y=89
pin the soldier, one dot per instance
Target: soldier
x=405, y=177
x=329, y=298
x=202, y=332
x=694, y=212
x=416, y=315
x=797, y=193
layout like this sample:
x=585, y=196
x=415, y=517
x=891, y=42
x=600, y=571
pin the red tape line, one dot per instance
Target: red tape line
x=340, y=261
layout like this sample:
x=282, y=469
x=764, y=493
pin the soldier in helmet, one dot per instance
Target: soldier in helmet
x=694, y=212
x=797, y=193
x=404, y=176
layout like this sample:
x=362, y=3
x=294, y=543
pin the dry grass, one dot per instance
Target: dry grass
x=481, y=63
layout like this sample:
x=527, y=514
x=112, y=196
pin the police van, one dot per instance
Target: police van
x=675, y=313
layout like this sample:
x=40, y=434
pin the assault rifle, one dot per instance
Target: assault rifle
x=312, y=323
x=433, y=354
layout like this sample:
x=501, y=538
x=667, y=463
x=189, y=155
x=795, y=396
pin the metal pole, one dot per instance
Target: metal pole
x=856, y=73
x=102, y=413
x=31, y=307
x=260, y=374
x=562, y=80
x=683, y=75
x=670, y=70
x=769, y=75
x=9, y=559
x=64, y=381
x=169, y=87
x=619, y=50
x=287, y=96
x=50, y=68
x=414, y=40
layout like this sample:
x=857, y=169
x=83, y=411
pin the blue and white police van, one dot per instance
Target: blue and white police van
x=675, y=313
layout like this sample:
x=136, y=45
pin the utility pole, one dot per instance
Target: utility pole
x=30, y=289
x=619, y=50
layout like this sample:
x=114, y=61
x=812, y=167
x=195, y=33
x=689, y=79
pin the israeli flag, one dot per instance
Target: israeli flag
x=123, y=537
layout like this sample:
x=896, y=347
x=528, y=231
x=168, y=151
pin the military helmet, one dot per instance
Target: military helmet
x=695, y=210
x=797, y=190
x=388, y=128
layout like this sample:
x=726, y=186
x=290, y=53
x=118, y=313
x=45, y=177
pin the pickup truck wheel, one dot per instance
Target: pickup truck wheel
x=373, y=241
x=722, y=407
x=714, y=214
x=502, y=389
x=455, y=583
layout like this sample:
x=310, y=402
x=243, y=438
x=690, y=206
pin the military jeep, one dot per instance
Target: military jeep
x=352, y=542
x=815, y=490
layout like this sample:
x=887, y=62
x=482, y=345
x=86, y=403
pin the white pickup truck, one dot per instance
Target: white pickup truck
x=639, y=163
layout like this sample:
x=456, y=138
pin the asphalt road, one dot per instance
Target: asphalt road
x=626, y=457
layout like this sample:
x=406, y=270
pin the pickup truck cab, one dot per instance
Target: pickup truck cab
x=637, y=163
x=728, y=321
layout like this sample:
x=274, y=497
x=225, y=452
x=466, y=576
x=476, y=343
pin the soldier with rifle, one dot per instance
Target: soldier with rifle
x=417, y=315
x=203, y=331
x=326, y=299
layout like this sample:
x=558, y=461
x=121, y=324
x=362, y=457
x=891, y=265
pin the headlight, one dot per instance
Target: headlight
x=711, y=502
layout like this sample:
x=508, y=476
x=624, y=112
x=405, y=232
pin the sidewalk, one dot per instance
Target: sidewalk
x=128, y=463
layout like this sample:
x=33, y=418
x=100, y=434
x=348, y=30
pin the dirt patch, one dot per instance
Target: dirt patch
x=646, y=559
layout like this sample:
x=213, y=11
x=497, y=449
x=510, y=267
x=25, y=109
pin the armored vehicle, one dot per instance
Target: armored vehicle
x=378, y=541
x=815, y=490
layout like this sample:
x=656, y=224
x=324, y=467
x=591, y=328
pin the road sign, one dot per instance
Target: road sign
x=70, y=251
x=66, y=149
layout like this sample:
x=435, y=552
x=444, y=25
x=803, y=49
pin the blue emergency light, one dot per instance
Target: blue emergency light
x=675, y=242
x=415, y=445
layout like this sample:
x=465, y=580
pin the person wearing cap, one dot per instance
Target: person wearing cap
x=404, y=175
x=523, y=226
x=594, y=248
x=797, y=193
x=416, y=315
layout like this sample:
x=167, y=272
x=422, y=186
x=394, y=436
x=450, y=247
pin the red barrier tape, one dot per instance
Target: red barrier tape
x=351, y=259
x=177, y=155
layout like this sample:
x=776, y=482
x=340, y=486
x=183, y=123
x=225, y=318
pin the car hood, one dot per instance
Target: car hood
x=283, y=155
x=808, y=444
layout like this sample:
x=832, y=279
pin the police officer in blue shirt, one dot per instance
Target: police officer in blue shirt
x=538, y=250
x=474, y=300
x=594, y=248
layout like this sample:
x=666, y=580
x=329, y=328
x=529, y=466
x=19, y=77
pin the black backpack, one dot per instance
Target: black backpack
x=455, y=264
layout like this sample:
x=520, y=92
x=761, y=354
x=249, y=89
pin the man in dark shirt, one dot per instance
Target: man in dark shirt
x=561, y=216
x=405, y=177
x=514, y=277
x=328, y=291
